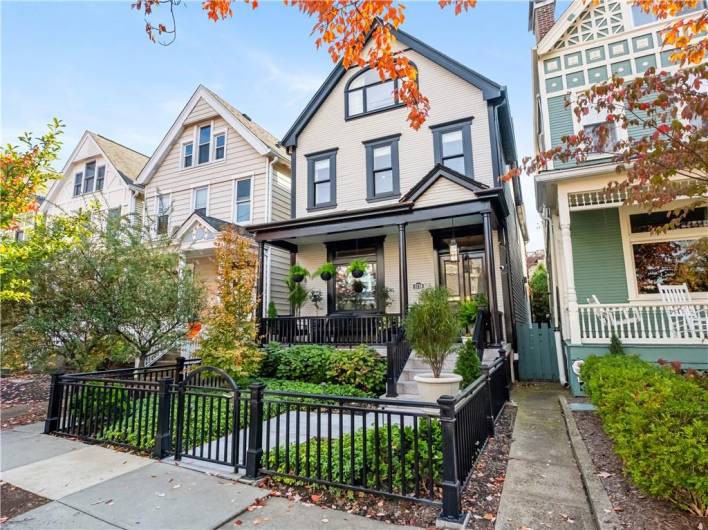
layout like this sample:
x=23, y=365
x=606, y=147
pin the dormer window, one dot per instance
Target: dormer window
x=204, y=144
x=367, y=93
x=187, y=154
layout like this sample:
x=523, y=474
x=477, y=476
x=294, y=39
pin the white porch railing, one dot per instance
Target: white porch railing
x=186, y=348
x=644, y=323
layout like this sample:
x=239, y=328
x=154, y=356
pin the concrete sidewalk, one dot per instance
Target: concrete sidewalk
x=543, y=487
x=91, y=487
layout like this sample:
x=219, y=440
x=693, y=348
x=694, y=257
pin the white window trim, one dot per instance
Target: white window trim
x=194, y=197
x=234, y=210
x=214, y=134
x=156, y=209
x=628, y=239
x=212, y=146
x=182, y=155
x=197, y=130
x=105, y=177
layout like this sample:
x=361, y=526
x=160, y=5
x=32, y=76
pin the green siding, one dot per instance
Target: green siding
x=598, y=260
x=690, y=356
x=638, y=131
x=560, y=120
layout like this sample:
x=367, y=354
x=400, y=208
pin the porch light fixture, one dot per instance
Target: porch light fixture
x=454, y=250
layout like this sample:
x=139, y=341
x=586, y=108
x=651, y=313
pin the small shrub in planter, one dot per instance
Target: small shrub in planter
x=468, y=364
x=361, y=367
x=326, y=271
x=657, y=421
x=297, y=273
x=357, y=268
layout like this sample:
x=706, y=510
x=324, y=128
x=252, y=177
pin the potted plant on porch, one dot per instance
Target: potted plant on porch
x=357, y=268
x=297, y=273
x=326, y=271
x=433, y=328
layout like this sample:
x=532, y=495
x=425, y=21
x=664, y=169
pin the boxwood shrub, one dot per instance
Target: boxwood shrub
x=658, y=422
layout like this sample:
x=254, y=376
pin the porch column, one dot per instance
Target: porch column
x=260, y=280
x=402, y=268
x=491, y=274
x=567, y=263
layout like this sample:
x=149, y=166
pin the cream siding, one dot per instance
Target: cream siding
x=451, y=98
x=280, y=196
x=201, y=111
x=311, y=257
x=444, y=191
x=279, y=265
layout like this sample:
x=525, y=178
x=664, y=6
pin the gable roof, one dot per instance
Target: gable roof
x=260, y=139
x=489, y=88
x=440, y=171
x=562, y=23
x=213, y=223
x=126, y=161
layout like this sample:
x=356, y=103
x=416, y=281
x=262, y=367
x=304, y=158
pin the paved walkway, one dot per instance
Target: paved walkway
x=91, y=487
x=543, y=488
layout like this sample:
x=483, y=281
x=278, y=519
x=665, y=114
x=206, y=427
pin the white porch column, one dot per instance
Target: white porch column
x=567, y=260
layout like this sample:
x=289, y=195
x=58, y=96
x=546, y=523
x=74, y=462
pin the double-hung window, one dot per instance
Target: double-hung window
x=322, y=179
x=163, y=213
x=90, y=175
x=187, y=154
x=382, y=178
x=78, y=180
x=242, y=201
x=453, y=146
x=201, y=196
x=592, y=131
x=220, y=146
x=204, y=144
x=100, y=177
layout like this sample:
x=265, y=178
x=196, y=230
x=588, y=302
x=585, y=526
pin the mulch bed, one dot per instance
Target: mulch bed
x=480, y=498
x=23, y=399
x=16, y=501
x=635, y=510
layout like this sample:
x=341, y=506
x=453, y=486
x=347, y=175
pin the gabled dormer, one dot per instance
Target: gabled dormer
x=98, y=171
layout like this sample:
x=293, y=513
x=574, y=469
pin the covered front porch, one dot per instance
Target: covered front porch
x=404, y=250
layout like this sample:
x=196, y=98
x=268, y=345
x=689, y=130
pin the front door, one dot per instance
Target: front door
x=464, y=278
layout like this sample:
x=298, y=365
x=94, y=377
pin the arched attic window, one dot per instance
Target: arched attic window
x=365, y=93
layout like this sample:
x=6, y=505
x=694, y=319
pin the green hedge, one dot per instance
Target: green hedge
x=658, y=422
x=276, y=460
x=360, y=367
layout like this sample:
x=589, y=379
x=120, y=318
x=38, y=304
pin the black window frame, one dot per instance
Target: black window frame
x=331, y=155
x=89, y=179
x=396, y=103
x=370, y=145
x=78, y=183
x=465, y=126
x=100, y=177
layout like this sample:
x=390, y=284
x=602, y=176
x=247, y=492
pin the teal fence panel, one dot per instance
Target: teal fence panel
x=537, y=353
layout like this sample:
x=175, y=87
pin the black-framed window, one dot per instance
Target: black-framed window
x=89, y=176
x=346, y=294
x=204, y=144
x=100, y=177
x=382, y=171
x=366, y=93
x=452, y=144
x=322, y=179
x=78, y=180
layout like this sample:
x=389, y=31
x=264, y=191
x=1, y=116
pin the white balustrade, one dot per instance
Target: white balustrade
x=645, y=323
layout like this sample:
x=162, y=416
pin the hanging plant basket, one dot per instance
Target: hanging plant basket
x=357, y=274
x=326, y=271
x=297, y=278
x=357, y=268
x=297, y=273
x=357, y=286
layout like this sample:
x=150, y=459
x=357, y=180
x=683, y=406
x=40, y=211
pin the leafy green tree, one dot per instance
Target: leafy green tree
x=112, y=290
x=540, y=308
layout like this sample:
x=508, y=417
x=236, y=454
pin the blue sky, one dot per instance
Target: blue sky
x=91, y=65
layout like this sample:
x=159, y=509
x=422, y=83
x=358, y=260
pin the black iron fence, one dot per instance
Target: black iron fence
x=397, y=353
x=403, y=449
x=339, y=329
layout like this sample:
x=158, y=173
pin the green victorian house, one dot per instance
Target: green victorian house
x=611, y=274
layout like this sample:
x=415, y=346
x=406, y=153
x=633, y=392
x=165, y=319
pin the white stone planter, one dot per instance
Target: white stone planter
x=431, y=388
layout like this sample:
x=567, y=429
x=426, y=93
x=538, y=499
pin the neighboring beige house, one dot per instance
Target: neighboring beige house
x=216, y=167
x=610, y=272
x=421, y=208
x=99, y=171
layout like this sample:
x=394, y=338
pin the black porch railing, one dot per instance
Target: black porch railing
x=480, y=333
x=413, y=450
x=397, y=353
x=333, y=329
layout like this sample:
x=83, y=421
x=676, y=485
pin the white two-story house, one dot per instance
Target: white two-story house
x=421, y=208
x=99, y=172
x=214, y=168
x=607, y=264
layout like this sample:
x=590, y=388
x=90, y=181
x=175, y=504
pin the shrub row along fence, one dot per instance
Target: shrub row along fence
x=403, y=449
